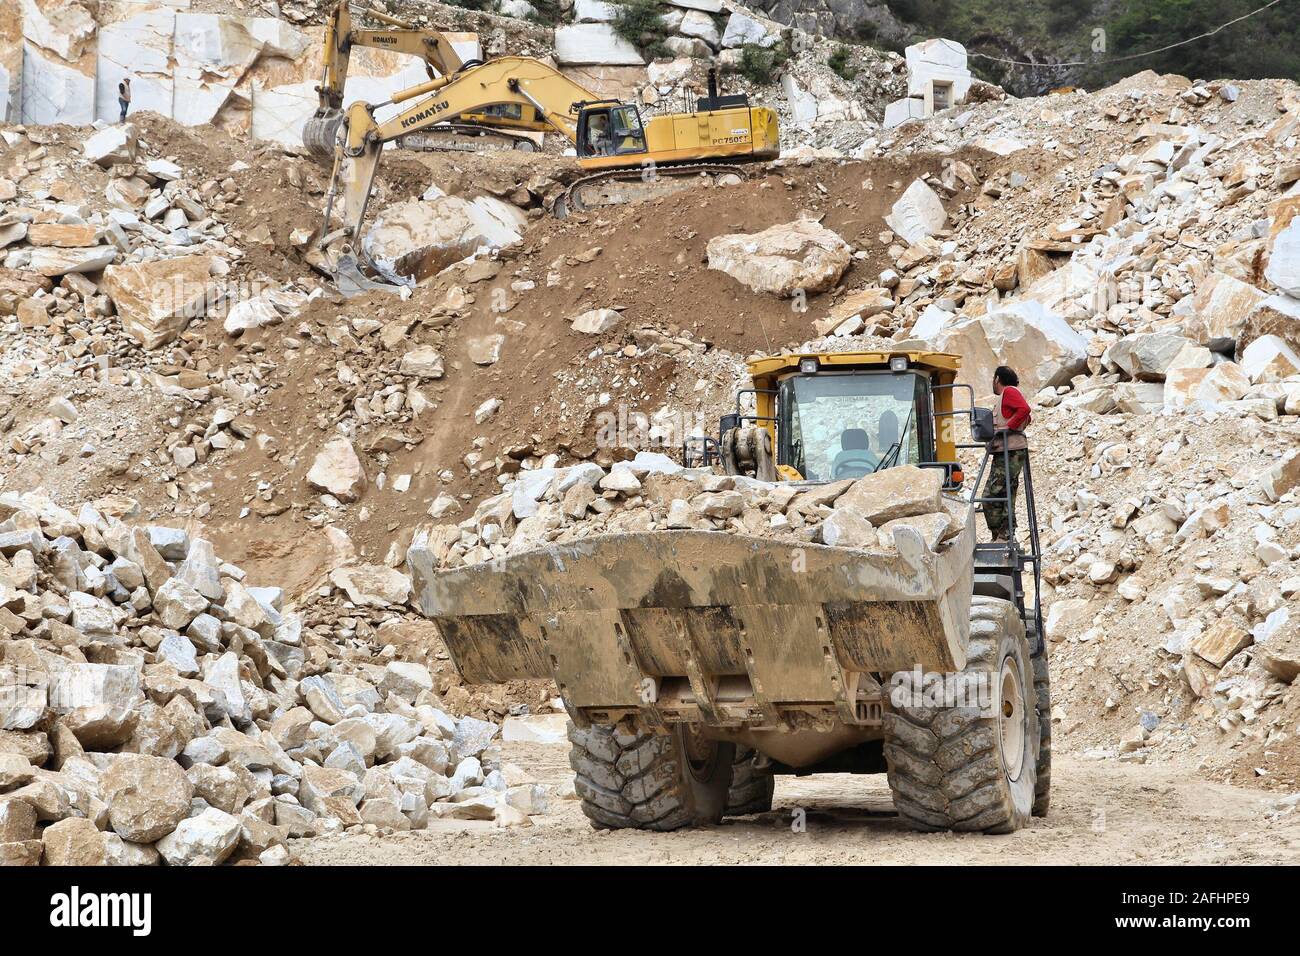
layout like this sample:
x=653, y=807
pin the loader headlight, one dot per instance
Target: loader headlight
x=898, y=363
x=808, y=366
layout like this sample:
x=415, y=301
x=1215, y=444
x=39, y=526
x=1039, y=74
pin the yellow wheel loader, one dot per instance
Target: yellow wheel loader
x=506, y=127
x=697, y=665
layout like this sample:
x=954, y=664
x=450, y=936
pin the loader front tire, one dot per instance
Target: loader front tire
x=972, y=765
x=646, y=781
x=751, y=785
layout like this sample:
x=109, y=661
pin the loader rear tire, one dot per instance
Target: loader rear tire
x=970, y=767
x=646, y=781
x=751, y=785
x=1043, y=778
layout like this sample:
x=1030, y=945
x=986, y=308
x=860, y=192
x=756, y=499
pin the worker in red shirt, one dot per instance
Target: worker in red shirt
x=1010, y=416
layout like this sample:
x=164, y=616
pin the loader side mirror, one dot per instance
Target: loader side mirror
x=981, y=424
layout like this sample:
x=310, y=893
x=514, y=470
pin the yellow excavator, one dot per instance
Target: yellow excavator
x=494, y=127
x=626, y=158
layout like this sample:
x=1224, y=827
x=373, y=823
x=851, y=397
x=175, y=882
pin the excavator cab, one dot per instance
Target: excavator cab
x=610, y=129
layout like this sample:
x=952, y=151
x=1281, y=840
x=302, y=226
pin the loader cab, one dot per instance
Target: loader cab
x=830, y=416
x=610, y=129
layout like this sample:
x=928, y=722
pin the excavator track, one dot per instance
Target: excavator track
x=465, y=138
x=618, y=186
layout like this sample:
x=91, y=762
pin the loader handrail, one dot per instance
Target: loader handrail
x=1010, y=555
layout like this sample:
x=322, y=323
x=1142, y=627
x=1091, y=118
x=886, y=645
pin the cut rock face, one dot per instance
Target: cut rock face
x=594, y=44
x=783, y=260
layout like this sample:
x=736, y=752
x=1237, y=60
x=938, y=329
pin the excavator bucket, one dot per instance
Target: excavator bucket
x=320, y=133
x=726, y=630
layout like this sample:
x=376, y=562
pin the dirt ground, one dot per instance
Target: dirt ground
x=1103, y=812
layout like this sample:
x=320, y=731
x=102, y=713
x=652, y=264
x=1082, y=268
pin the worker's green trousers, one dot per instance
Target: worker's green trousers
x=995, y=512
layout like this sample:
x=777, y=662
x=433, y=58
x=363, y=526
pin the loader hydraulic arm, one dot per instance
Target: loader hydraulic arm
x=507, y=80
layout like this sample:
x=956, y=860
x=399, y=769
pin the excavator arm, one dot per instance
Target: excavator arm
x=435, y=48
x=519, y=80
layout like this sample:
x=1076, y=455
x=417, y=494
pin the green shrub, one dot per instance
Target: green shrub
x=639, y=22
x=761, y=66
x=548, y=12
x=839, y=61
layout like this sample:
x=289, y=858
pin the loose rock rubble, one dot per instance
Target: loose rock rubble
x=157, y=707
x=651, y=493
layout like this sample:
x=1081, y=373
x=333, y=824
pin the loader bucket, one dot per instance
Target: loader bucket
x=727, y=630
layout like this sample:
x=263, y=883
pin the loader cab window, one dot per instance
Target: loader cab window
x=846, y=425
x=611, y=131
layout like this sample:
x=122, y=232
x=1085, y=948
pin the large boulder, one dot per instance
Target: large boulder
x=147, y=796
x=901, y=492
x=918, y=213
x=700, y=26
x=1225, y=382
x=743, y=30
x=53, y=261
x=593, y=11
x=1217, y=312
x=207, y=838
x=75, y=841
x=98, y=702
x=1269, y=359
x=1040, y=345
x=337, y=471
x=1147, y=356
x=1284, y=259
x=372, y=585
x=111, y=145
x=1277, y=315
x=156, y=300
x=596, y=321
x=1282, y=477
x=783, y=260
x=419, y=238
